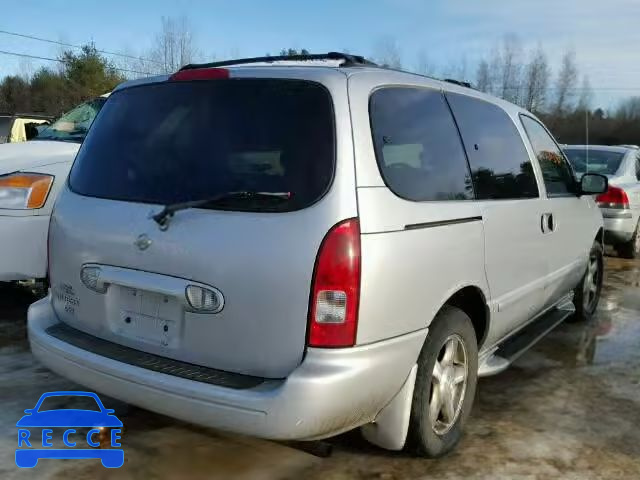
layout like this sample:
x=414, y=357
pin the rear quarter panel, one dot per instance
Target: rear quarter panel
x=407, y=274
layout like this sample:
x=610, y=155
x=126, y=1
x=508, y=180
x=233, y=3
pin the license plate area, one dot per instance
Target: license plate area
x=149, y=317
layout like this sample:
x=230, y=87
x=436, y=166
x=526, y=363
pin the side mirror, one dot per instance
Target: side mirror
x=593, y=184
x=29, y=411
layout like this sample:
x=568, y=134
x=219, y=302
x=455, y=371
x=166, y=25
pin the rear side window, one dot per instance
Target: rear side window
x=556, y=172
x=417, y=145
x=181, y=141
x=500, y=165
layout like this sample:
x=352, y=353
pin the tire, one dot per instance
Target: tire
x=435, y=439
x=587, y=294
x=630, y=249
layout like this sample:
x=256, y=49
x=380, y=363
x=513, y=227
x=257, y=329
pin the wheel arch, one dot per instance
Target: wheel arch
x=472, y=301
x=600, y=237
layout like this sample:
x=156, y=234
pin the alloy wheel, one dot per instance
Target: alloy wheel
x=448, y=384
x=591, y=283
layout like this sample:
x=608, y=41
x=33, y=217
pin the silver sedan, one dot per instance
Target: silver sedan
x=621, y=204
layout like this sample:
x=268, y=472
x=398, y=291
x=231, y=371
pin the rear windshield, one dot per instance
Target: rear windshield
x=181, y=141
x=594, y=161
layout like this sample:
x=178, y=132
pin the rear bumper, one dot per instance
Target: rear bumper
x=23, y=247
x=618, y=228
x=332, y=391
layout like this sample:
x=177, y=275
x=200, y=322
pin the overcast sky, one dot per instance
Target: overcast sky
x=604, y=33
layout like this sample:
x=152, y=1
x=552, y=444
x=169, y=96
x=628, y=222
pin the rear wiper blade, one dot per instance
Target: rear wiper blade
x=162, y=218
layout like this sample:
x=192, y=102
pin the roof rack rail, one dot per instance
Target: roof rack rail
x=349, y=60
x=458, y=82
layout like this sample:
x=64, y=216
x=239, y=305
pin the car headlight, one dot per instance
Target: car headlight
x=23, y=191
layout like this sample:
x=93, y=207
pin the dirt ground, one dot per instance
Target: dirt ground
x=569, y=408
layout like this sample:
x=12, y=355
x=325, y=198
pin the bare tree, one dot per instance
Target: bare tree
x=132, y=65
x=510, y=82
x=489, y=72
x=629, y=110
x=174, y=45
x=457, y=69
x=536, y=81
x=387, y=53
x=565, y=84
x=483, y=77
x=586, y=95
x=25, y=69
x=424, y=66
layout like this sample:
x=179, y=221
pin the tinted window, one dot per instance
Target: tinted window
x=638, y=167
x=181, y=141
x=500, y=165
x=5, y=128
x=417, y=145
x=591, y=160
x=557, y=175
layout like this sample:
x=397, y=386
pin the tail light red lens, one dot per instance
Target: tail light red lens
x=333, y=313
x=614, y=198
x=200, y=74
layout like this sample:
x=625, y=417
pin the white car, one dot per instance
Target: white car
x=31, y=174
x=620, y=206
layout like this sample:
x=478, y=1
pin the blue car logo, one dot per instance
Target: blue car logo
x=33, y=444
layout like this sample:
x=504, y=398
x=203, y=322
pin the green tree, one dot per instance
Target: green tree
x=88, y=74
x=83, y=75
x=14, y=95
x=49, y=92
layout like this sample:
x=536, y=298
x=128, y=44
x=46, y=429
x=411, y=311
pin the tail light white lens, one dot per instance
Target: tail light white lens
x=613, y=198
x=331, y=307
x=204, y=299
x=333, y=313
x=90, y=276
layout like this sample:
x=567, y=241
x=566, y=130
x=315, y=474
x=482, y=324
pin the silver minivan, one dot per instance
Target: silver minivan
x=293, y=248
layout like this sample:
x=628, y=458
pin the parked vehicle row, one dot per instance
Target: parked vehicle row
x=293, y=250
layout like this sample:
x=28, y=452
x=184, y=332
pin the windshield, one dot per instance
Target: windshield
x=594, y=161
x=74, y=125
x=182, y=141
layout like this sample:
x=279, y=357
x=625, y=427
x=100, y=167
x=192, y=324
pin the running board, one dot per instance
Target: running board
x=499, y=359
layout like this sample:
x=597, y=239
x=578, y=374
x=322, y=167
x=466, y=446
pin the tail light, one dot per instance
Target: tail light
x=614, y=198
x=333, y=313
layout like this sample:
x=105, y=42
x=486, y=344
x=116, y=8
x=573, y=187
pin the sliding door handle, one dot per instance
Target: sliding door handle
x=547, y=223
